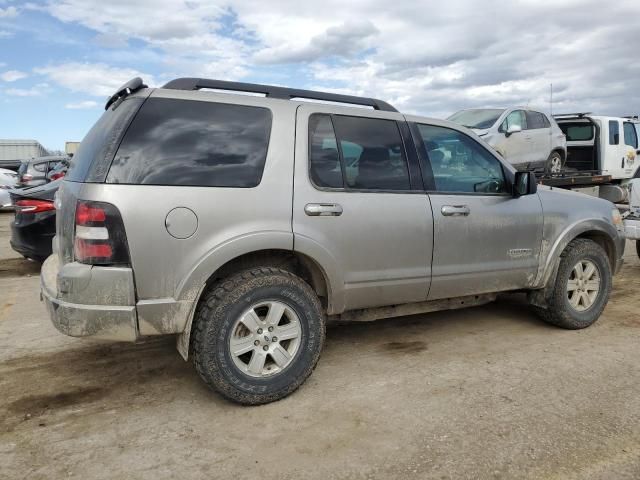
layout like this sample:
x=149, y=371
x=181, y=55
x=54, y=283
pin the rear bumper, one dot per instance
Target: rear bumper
x=87, y=301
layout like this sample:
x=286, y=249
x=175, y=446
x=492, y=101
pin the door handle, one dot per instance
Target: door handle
x=323, y=209
x=455, y=210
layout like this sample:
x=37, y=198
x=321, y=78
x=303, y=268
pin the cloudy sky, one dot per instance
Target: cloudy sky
x=59, y=60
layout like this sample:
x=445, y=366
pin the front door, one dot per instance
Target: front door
x=359, y=207
x=485, y=240
x=514, y=147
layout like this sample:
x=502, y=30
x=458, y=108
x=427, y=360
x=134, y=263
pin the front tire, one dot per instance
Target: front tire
x=258, y=335
x=582, y=286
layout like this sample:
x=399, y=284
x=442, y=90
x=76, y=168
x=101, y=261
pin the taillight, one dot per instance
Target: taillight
x=56, y=176
x=100, y=238
x=34, y=206
x=26, y=178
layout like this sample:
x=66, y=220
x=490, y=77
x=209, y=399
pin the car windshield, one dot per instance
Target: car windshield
x=480, y=118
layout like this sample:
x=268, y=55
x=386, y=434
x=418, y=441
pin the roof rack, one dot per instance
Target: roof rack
x=578, y=114
x=276, y=92
x=128, y=88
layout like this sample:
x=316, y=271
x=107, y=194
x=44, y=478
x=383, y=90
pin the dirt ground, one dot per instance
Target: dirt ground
x=488, y=392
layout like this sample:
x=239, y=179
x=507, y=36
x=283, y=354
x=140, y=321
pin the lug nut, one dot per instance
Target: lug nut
x=274, y=339
x=265, y=348
x=256, y=343
x=259, y=331
x=271, y=329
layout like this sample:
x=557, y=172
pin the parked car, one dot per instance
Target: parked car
x=599, y=143
x=34, y=225
x=35, y=171
x=247, y=222
x=58, y=171
x=8, y=180
x=528, y=139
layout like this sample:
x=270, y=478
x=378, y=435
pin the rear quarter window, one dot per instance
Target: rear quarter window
x=193, y=143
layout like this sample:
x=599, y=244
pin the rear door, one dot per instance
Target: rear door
x=539, y=134
x=359, y=206
x=485, y=240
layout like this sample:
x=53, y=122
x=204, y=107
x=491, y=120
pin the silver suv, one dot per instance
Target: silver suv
x=243, y=223
x=526, y=138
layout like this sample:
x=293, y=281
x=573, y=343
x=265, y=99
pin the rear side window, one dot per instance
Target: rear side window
x=630, y=136
x=192, y=143
x=614, y=132
x=577, y=132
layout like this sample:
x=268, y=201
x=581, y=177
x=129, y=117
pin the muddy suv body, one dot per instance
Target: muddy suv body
x=242, y=224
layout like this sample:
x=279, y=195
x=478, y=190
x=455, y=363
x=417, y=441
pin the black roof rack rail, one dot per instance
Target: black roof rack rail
x=632, y=117
x=577, y=114
x=128, y=88
x=276, y=92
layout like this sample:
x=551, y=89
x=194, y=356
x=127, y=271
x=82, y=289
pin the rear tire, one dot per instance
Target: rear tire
x=236, y=348
x=638, y=248
x=582, y=286
x=554, y=163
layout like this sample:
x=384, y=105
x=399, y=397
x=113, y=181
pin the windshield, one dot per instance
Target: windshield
x=480, y=118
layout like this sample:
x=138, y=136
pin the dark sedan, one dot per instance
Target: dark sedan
x=34, y=225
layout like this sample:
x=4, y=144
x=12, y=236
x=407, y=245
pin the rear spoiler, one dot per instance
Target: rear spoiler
x=128, y=88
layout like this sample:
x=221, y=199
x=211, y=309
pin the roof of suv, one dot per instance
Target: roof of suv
x=269, y=91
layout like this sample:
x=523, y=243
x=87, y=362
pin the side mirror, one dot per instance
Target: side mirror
x=524, y=184
x=513, y=129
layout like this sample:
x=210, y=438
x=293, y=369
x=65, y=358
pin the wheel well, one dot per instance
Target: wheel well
x=296, y=263
x=563, y=153
x=604, y=241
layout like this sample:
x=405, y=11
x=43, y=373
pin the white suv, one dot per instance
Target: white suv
x=525, y=138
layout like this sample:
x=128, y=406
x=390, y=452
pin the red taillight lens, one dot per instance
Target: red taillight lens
x=99, y=235
x=86, y=214
x=34, y=206
x=56, y=176
x=85, y=250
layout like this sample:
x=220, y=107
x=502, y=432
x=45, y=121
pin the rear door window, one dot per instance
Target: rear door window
x=630, y=136
x=357, y=153
x=536, y=120
x=193, y=143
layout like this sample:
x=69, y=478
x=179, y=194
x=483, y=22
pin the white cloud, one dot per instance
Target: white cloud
x=12, y=75
x=426, y=60
x=24, y=92
x=6, y=34
x=9, y=12
x=96, y=79
x=81, y=105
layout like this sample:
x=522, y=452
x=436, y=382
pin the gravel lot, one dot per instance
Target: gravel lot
x=488, y=392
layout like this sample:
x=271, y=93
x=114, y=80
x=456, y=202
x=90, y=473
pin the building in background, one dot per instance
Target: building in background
x=70, y=148
x=12, y=152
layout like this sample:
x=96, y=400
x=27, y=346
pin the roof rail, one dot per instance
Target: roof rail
x=276, y=92
x=578, y=114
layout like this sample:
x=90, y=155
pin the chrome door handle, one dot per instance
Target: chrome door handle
x=455, y=210
x=323, y=209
